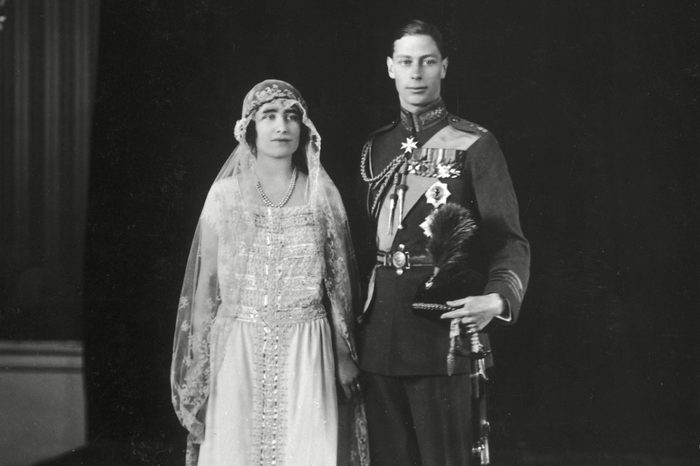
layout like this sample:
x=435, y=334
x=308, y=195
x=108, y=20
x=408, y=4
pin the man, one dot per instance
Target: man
x=417, y=415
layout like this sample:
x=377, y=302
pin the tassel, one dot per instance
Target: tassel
x=454, y=336
x=402, y=188
x=392, y=208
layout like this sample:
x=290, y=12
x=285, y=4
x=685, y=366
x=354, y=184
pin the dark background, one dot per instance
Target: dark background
x=595, y=105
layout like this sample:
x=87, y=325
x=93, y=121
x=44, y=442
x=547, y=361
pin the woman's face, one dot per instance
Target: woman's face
x=278, y=126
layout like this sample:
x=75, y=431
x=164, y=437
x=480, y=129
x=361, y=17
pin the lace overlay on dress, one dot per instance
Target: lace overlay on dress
x=283, y=277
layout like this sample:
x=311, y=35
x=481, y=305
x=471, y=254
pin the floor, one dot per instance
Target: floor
x=114, y=454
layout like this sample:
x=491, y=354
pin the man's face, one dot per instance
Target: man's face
x=417, y=68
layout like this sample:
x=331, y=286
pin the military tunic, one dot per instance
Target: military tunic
x=468, y=159
x=414, y=409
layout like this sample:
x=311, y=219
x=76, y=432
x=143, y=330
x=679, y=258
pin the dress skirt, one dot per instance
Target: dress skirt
x=273, y=398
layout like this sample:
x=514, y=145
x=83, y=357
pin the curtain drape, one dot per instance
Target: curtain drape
x=47, y=68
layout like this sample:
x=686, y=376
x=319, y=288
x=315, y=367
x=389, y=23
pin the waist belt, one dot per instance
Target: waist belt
x=400, y=259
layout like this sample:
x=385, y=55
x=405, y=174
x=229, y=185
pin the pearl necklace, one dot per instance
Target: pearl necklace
x=283, y=202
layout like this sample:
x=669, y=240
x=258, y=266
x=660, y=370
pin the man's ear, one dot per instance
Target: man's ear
x=443, y=71
x=390, y=67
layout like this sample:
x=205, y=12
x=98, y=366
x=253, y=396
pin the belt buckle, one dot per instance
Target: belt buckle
x=400, y=259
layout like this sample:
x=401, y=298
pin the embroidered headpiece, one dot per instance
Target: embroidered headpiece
x=262, y=93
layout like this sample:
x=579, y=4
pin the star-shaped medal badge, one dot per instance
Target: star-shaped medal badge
x=443, y=170
x=437, y=194
x=408, y=146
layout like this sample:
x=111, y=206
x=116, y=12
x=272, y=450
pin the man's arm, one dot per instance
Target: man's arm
x=362, y=229
x=508, y=252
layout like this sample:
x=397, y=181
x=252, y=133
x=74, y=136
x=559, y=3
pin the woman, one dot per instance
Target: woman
x=255, y=357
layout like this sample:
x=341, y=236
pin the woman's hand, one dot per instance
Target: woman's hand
x=348, y=375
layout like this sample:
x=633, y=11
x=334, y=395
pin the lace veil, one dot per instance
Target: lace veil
x=192, y=368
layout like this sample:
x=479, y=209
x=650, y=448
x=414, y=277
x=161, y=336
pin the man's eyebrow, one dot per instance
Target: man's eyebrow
x=429, y=55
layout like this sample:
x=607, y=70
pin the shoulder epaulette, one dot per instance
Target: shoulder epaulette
x=465, y=125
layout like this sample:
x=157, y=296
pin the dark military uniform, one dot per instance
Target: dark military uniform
x=417, y=414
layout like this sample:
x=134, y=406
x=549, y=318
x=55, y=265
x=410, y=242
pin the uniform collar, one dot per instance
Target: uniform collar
x=425, y=118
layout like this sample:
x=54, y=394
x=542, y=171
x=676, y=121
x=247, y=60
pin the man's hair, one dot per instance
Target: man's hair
x=419, y=27
x=299, y=156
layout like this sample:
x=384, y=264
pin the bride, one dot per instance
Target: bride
x=265, y=321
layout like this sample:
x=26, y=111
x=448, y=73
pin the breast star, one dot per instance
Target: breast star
x=408, y=146
x=437, y=194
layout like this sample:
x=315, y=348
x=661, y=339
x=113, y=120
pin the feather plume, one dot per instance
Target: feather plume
x=451, y=227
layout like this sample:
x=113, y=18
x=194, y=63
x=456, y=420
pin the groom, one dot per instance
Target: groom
x=417, y=415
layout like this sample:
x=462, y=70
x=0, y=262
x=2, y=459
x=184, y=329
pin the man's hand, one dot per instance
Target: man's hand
x=348, y=373
x=476, y=311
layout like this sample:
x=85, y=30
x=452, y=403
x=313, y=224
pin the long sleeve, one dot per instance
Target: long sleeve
x=363, y=232
x=507, y=250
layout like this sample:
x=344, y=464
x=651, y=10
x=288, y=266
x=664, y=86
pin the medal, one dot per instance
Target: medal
x=437, y=194
x=408, y=146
